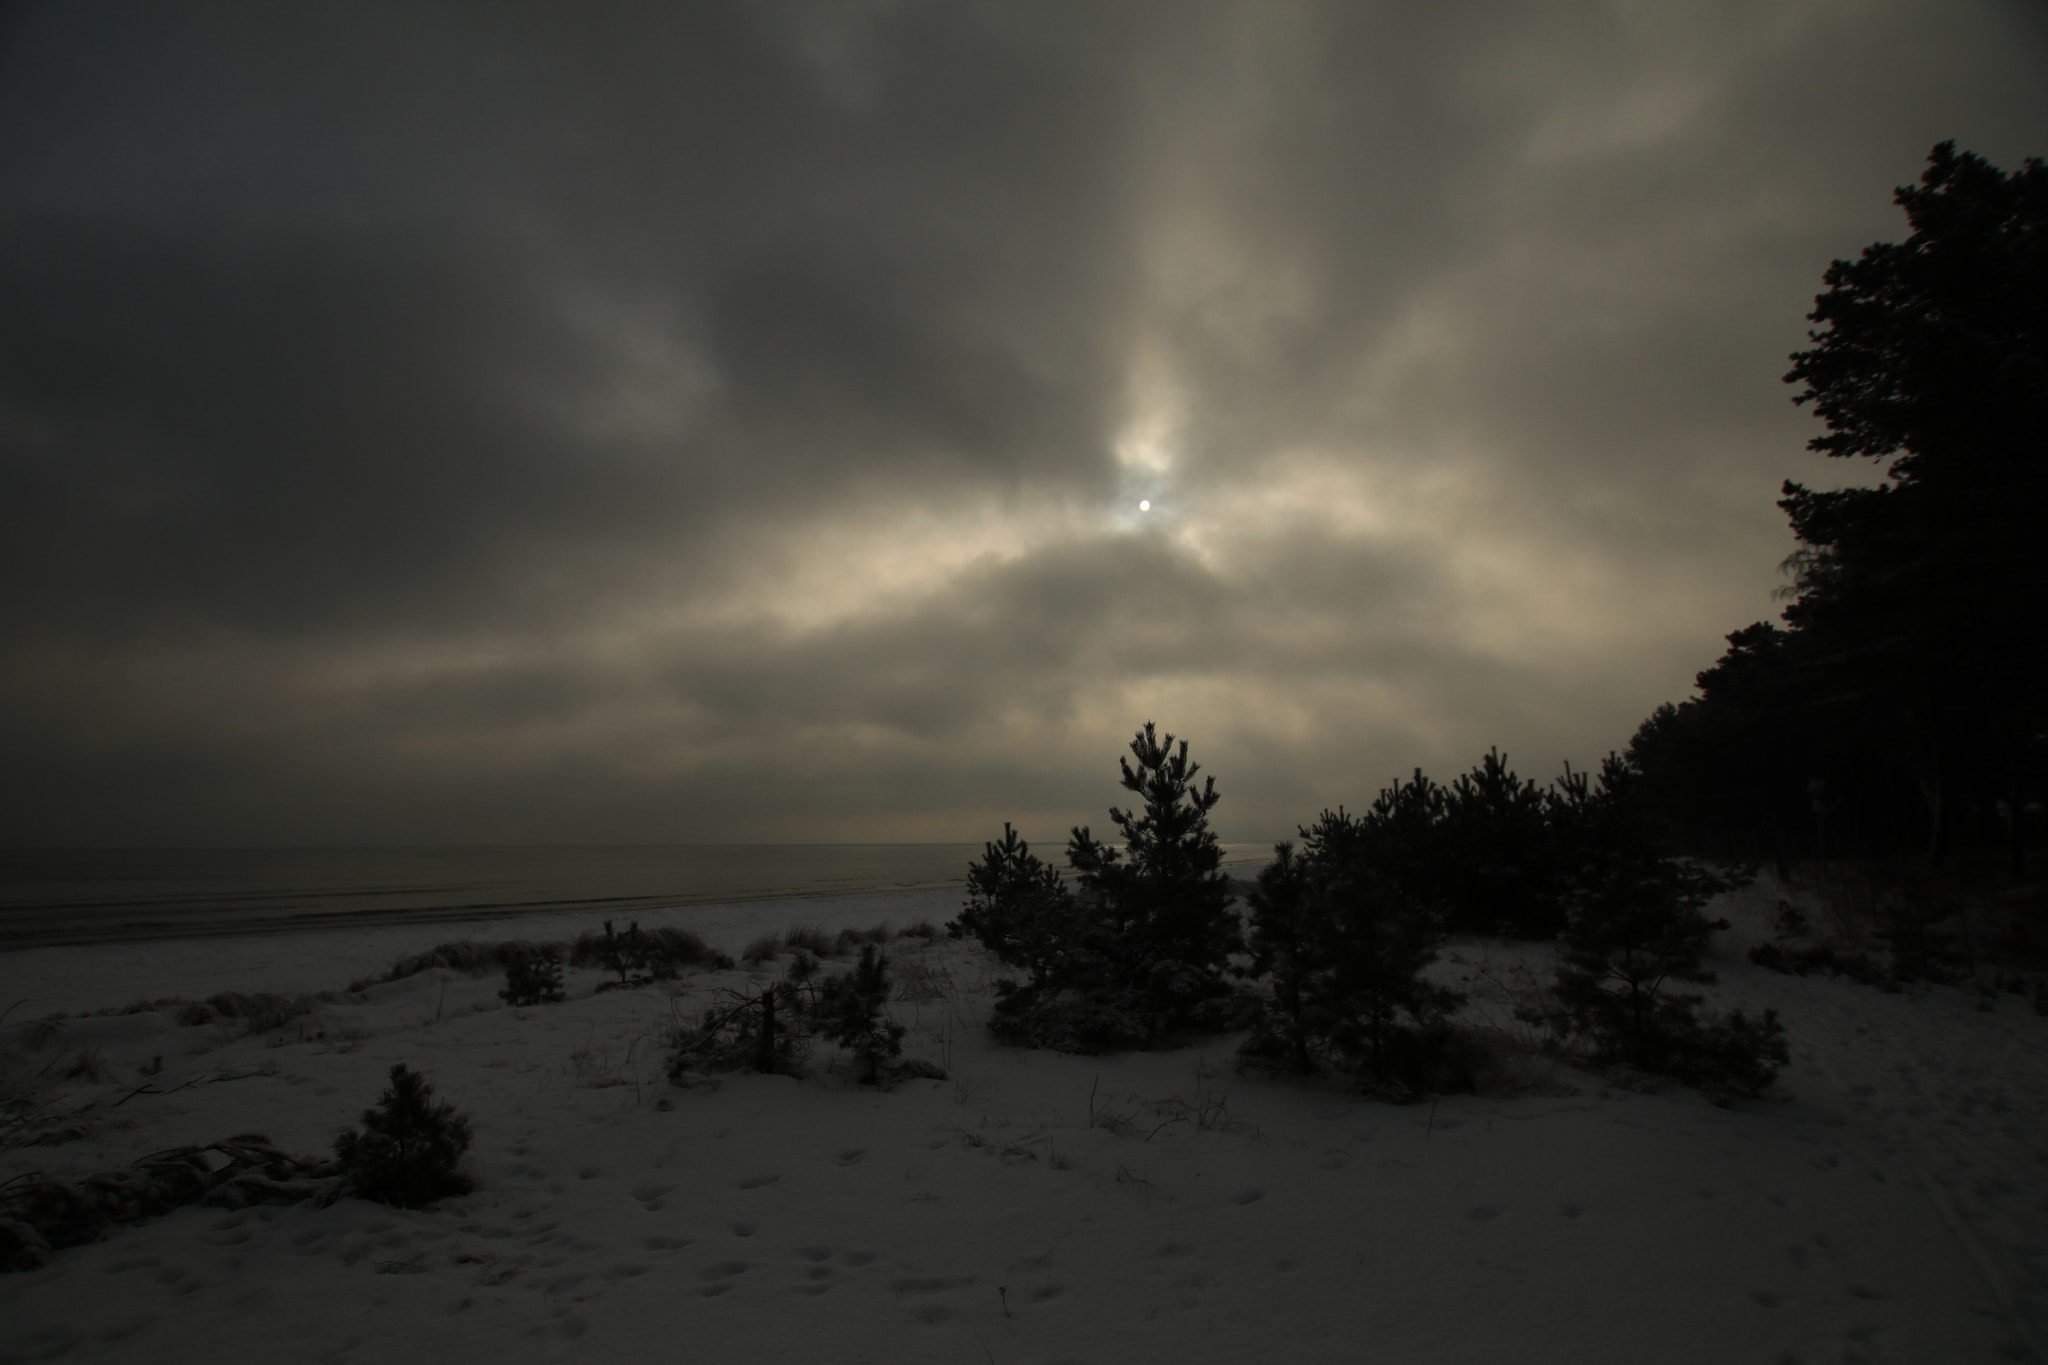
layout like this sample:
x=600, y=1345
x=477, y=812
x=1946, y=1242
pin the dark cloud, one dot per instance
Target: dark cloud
x=727, y=420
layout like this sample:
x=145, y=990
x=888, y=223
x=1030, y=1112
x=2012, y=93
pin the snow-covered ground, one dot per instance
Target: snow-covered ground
x=1888, y=1204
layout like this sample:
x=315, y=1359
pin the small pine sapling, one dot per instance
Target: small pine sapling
x=534, y=979
x=1346, y=946
x=625, y=954
x=765, y=1031
x=409, y=1148
x=1635, y=925
x=1385, y=1012
x=1163, y=894
x=1377, y=940
x=1021, y=910
x=1286, y=945
x=849, y=1012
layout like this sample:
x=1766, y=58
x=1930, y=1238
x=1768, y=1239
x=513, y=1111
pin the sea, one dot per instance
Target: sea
x=52, y=897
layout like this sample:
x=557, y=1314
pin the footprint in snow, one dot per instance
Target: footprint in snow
x=755, y=1182
x=1247, y=1196
x=852, y=1155
x=724, y=1270
x=929, y=1286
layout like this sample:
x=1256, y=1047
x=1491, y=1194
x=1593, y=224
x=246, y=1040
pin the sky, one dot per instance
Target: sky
x=657, y=422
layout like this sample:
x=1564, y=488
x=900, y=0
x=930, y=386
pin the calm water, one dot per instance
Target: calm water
x=106, y=895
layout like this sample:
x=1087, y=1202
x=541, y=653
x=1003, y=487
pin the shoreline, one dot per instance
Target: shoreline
x=355, y=921
x=83, y=977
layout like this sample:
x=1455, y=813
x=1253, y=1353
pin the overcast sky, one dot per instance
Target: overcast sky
x=696, y=422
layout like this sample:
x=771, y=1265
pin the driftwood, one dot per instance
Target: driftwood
x=40, y=1215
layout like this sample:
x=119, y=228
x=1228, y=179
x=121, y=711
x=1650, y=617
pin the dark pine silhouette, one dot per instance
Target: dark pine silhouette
x=1905, y=693
x=409, y=1148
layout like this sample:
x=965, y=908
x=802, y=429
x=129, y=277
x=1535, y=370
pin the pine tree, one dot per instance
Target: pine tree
x=1635, y=925
x=409, y=1148
x=1372, y=993
x=1346, y=947
x=1021, y=910
x=1405, y=826
x=1494, y=849
x=1288, y=944
x=533, y=979
x=1163, y=893
x=850, y=1013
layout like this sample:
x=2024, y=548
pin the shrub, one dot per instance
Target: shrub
x=410, y=1147
x=1287, y=944
x=669, y=949
x=1021, y=910
x=1101, y=1019
x=466, y=956
x=639, y=955
x=534, y=980
x=761, y=949
x=849, y=1013
x=256, y=1013
x=759, y=1032
x=1635, y=926
x=1346, y=946
x=811, y=939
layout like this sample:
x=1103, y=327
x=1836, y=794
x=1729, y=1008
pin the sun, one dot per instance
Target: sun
x=1144, y=504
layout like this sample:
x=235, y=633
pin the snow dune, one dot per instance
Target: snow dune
x=1888, y=1205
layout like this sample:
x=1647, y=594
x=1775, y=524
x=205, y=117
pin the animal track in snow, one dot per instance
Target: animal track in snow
x=721, y=1275
x=929, y=1286
x=755, y=1182
x=1247, y=1196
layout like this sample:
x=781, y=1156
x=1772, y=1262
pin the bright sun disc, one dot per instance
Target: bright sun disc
x=1144, y=504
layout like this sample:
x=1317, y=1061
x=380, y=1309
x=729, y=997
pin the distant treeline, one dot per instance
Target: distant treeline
x=1904, y=702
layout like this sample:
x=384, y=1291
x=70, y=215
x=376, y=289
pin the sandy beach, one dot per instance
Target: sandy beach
x=1885, y=1204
